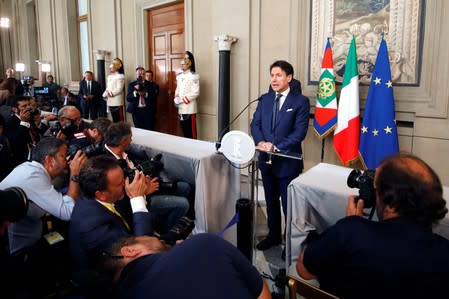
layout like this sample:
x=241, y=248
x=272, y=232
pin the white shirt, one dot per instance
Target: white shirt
x=284, y=96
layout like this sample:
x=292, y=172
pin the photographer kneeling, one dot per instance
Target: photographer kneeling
x=395, y=257
x=168, y=205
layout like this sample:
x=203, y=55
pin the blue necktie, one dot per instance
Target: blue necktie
x=275, y=110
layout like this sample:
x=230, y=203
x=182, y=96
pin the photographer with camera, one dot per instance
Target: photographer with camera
x=142, y=96
x=202, y=266
x=18, y=129
x=69, y=127
x=395, y=257
x=140, y=73
x=169, y=206
x=39, y=251
x=97, y=221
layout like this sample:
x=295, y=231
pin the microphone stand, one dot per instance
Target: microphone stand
x=220, y=137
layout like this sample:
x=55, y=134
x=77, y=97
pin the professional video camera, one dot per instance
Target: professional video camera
x=151, y=167
x=13, y=204
x=91, y=150
x=26, y=83
x=68, y=129
x=179, y=231
x=364, y=181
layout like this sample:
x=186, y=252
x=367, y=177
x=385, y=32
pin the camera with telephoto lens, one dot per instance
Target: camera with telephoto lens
x=68, y=129
x=364, y=181
x=179, y=231
x=151, y=167
x=91, y=150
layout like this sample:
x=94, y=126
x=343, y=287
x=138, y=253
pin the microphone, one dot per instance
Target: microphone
x=220, y=137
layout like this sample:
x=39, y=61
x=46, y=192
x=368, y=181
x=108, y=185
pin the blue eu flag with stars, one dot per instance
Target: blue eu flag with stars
x=378, y=135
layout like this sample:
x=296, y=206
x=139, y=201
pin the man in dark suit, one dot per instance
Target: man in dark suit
x=140, y=73
x=153, y=90
x=141, y=106
x=18, y=129
x=141, y=97
x=68, y=98
x=279, y=124
x=96, y=222
x=89, y=96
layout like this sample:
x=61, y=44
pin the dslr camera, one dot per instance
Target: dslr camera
x=151, y=167
x=91, y=150
x=179, y=231
x=364, y=181
x=67, y=129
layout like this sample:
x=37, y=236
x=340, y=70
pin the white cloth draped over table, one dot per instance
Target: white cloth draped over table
x=217, y=183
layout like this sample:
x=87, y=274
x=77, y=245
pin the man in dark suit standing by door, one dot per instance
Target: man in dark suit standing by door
x=279, y=124
x=89, y=96
x=153, y=92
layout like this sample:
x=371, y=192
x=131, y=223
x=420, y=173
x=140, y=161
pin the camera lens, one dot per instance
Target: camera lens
x=353, y=178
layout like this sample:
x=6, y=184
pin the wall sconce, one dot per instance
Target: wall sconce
x=4, y=22
x=20, y=67
x=45, y=67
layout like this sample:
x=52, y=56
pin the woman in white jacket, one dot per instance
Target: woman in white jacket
x=114, y=92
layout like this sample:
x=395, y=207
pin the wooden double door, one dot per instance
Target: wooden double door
x=166, y=51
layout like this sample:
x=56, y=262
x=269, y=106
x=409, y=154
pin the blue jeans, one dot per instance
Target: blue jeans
x=169, y=208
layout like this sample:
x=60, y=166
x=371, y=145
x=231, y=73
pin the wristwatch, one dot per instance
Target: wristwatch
x=75, y=178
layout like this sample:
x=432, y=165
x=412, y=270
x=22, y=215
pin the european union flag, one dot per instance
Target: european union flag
x=379, y=136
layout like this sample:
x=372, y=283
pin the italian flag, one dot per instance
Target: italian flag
x=346, y=134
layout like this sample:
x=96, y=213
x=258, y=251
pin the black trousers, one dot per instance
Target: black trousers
x=188, y=125
x=117, y=113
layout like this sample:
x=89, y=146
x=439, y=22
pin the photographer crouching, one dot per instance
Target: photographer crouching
x=37, y=248
x=168, y=205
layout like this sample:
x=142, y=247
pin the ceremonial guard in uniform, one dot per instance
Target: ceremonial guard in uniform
x=187, y=92
x=115, y=90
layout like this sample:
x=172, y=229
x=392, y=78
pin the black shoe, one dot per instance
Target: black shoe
x=283, y=254
x=267, y=244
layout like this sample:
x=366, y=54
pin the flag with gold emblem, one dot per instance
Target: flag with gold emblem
x=326, y=99
x=379, y=136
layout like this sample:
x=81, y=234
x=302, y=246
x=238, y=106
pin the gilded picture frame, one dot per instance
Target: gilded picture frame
x=399, y=20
